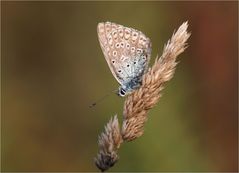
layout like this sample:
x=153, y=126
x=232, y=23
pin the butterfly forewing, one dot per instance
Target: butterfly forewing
x=126, y=50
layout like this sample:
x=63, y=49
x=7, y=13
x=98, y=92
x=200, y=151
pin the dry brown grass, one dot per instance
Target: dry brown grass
x=138, y=103
x=109, y=143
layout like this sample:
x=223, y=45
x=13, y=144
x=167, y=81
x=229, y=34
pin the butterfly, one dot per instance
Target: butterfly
x=127, y=52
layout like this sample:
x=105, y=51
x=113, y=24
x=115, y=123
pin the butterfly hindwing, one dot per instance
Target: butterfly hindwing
x=126, y=50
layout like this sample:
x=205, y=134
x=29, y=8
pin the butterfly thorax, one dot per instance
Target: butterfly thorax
x=129, y=87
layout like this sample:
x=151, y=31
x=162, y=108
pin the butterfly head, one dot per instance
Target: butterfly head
x=129, y=87
x=122, y=92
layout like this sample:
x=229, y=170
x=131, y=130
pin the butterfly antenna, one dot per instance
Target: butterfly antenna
x=102, y=98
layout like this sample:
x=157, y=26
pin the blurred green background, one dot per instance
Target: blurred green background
x=53, y=69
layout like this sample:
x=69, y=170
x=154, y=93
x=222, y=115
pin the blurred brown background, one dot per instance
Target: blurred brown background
x=53, y=69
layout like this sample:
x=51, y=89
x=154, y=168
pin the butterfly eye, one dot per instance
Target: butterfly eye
x=128, y=65
x=134, y=62
x=119, y=71
x=122, y=92
x=113, y=61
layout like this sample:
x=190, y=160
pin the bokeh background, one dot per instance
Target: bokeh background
x=53, y=68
